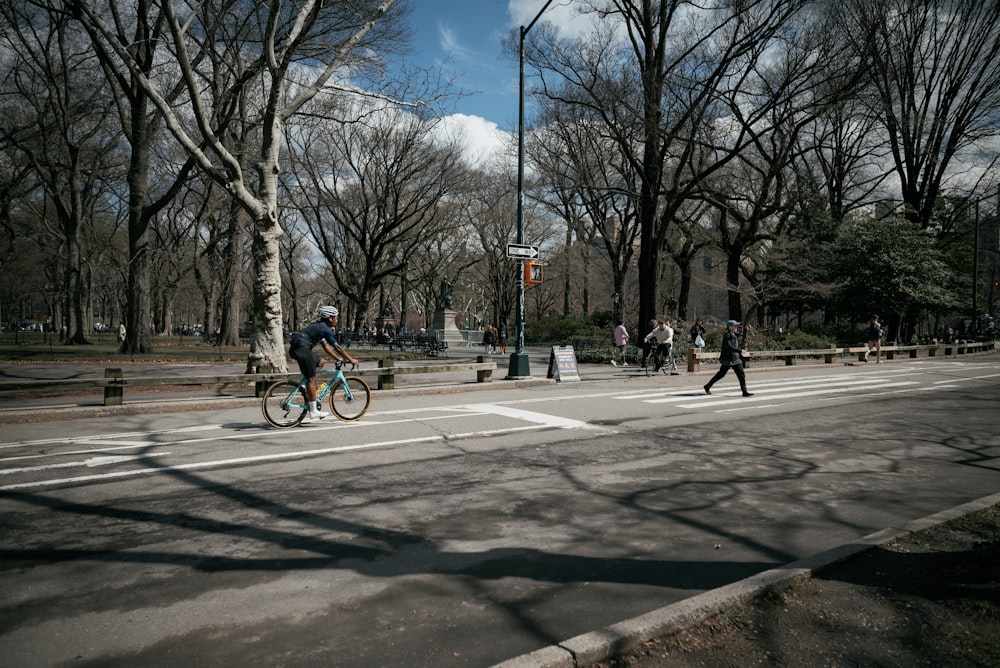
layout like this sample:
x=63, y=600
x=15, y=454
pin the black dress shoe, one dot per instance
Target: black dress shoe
x=706, y=390
x=748, y=394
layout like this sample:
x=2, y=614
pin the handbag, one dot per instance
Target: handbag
x=699, y=342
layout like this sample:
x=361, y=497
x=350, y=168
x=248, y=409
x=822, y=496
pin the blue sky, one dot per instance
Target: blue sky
x=464, y=37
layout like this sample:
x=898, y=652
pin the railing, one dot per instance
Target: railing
x=115, y=382
x=829, y=355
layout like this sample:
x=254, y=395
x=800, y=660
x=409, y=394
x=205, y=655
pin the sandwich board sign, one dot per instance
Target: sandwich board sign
x=562, y=364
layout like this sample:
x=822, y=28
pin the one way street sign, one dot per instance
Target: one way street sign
x=521, y=251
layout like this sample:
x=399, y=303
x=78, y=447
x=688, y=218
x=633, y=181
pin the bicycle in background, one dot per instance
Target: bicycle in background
x=660, y=358
x=284, y=403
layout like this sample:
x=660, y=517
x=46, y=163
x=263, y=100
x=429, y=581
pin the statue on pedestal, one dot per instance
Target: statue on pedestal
x=445, y=295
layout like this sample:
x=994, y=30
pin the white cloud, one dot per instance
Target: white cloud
x=483, y=139
x=451, y=45
x=562, y=14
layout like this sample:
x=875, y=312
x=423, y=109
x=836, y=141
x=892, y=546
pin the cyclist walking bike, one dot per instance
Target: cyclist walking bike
x=661, y=344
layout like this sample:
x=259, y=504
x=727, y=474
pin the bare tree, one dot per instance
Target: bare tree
x=935, y=68
x=370, y=191
x=657, y=90
x=595, y=189
x=328, y=36
x=60, y=128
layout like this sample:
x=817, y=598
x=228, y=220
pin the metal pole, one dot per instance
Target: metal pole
x=519, y=367
x=975, y=276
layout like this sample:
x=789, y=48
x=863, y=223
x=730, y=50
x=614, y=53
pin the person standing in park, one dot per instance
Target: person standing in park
x=731, y=357
x=698, y=334
x=874, y=339
x=621, y=343
x=301, y=350
x=502, y=336
x=489, y=338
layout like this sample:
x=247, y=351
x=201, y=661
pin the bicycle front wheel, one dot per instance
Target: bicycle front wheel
x=350, y=399
x=283, y=404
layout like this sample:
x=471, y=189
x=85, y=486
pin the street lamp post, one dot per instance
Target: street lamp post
x=519, y=367
x=975, y=276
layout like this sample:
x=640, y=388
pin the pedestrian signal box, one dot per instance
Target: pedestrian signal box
x=532, y=272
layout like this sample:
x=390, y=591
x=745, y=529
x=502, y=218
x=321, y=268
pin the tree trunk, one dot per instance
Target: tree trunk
x=267, y=345
x=685, y=290
x=733, y=258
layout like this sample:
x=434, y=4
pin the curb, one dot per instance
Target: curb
x=625, y=636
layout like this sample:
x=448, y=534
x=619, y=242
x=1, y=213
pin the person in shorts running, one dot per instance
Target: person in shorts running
x=874, y=338
x=301, y=350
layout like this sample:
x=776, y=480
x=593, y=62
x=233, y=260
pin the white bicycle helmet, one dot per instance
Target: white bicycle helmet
x=328, y=311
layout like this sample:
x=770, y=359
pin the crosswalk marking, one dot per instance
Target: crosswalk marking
x=771, y=395
x=767, y=392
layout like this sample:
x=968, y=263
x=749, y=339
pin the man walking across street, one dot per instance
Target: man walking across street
x=731, y=357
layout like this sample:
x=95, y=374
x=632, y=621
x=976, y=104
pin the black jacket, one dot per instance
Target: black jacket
x=730, y=354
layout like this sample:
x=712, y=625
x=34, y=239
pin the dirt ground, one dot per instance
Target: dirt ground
x=930, y=599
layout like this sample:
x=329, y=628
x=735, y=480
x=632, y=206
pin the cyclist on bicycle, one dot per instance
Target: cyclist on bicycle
x=663, y=335
x=301, y=350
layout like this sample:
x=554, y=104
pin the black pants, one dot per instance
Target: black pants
x=737, y=369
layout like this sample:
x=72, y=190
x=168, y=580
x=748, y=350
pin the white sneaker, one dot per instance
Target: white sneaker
x=614, y=363
x=625, y=364
x=318, y=415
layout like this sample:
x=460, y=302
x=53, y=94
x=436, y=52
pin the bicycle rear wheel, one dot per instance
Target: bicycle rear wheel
x=350, y=399
x=283, y=404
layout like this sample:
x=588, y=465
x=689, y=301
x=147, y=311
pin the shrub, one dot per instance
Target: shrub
x=558, y=330
x=800, y=340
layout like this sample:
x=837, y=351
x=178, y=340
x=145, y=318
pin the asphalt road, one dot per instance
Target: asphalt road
x=461, y=529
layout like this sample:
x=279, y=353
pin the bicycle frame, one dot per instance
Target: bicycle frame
x=323, y=388
x=285, y=405
x=657, y=359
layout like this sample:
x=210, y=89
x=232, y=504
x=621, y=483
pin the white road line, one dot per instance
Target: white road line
x=89, y=463
x=49, y=455
x=109, y=437
x=539, y=420
x=965, y=379
x=531, y=416
x=219, y=462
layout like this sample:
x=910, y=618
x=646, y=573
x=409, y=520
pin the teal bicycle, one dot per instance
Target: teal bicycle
x=284, y=403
